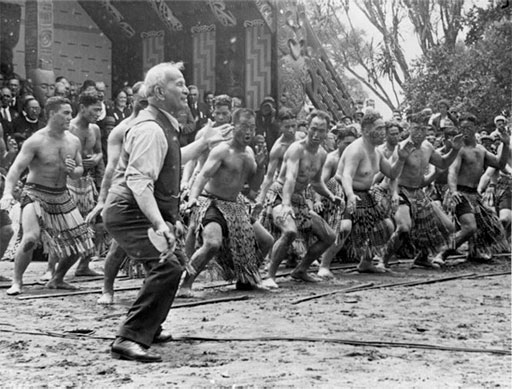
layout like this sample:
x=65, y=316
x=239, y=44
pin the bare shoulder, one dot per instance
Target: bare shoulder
x=95, y=128
x=295, y=150
x=333, y=156
x=354, y=150
x=71, y=138
x=36, y=140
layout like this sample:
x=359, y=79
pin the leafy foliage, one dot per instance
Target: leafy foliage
x=475, y=77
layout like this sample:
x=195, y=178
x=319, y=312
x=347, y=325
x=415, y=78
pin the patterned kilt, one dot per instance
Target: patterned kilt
x=490, y=237
x=503, y=192
x=382, y=197
x=83, y=192
x=428, y=233
x=369, y=234
x=63, y=230
x=302, y=216
x=333, y=213
x=240, y=257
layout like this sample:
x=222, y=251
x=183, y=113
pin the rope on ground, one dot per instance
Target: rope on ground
x=405, y=283
x=350, y=342
x=74, y=293
x=346, y=290
x=187, y=305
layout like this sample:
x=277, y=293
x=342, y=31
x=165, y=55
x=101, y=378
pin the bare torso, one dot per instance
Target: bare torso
x=367, y=161
x=415, y=165
x=47, y=166
x=88, y=136
x=234, y=171
x=310, y=164
x=472, y=165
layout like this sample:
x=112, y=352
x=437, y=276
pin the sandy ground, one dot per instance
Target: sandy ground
x=467, y=313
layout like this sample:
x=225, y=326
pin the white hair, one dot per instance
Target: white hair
x=159, y=74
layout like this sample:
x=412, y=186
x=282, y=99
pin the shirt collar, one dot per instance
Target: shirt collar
x=171, y=118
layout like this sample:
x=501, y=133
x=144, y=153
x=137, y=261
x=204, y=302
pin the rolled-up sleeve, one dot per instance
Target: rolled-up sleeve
x=147, y=147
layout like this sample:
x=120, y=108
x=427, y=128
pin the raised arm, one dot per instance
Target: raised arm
x=393, y=170
x=501, y=161
x=208, y=137
x=444, y=161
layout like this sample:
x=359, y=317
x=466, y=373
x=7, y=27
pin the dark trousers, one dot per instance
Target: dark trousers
x=153, y=303
x=129, y=227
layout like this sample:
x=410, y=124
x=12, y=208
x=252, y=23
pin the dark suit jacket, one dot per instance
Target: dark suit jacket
x=8, y=126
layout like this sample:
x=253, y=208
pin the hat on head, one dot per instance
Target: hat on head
x=498, y=118
x=486, y=137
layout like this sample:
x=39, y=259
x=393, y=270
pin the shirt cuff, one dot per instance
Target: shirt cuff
x=138, y=184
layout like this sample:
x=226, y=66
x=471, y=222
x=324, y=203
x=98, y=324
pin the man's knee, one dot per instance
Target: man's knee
x=289, y=234
x=468, y=224
x=29, y=241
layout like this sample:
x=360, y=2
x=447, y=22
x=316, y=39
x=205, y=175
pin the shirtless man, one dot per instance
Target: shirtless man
x=416, y=209
x=333, y=213
x=288, y=125
x=48, y=212
x=222, y=217
x=502, y=180
x=222, y=118
x=478, y=225
x=83, y=189
x=302, y=165
x=356, y=171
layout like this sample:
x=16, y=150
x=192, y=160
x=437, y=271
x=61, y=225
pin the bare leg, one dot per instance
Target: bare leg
x=403, y=227
x=280, y=248
x=50, y=270
x=6, y=234
x=57, y=281
x=113, y=262
x=212, y=242
x=505, y=218
x=329, y=254
x=190, y=239
x=83, y=269
x=325, y=237
x=263, y=237
x=31, y=233
x=467, y=229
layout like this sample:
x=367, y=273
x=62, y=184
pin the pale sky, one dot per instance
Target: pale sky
x=409, y=42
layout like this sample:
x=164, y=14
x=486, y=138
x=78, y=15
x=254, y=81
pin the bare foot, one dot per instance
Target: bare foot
x=368, y=267
x=270, y=283
x=46, y=276
x=106, y=299
x=303, y=276
x=439, y=260
x=325, y=273
x=188, y=293
x=86, y=272
x=52, y=284
x=14, y=290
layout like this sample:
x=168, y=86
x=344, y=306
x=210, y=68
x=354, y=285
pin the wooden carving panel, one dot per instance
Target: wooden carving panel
x=258, y=45
x=204, y=58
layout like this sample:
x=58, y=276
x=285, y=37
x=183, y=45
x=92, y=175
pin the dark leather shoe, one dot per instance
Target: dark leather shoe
x=163, y=337
x=132, y=351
